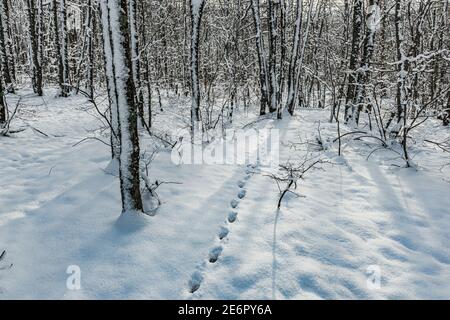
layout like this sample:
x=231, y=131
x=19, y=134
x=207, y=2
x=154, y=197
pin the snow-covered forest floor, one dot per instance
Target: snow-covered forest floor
x=350, y=215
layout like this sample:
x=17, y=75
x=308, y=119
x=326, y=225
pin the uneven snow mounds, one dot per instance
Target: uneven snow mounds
x=357, y=221
x=361, y=230
x=59, y=208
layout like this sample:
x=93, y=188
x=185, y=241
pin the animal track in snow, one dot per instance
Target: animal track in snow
x=215, y=253
x=242, y=194
x=195, y=281
x=232, y=217
x=234, y=203
x=223, y=232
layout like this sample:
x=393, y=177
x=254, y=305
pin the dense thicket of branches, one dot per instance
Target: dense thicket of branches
x=348, y=49
x=384, y=61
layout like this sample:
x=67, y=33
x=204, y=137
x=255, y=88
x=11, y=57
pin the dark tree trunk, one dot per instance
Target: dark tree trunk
x=281, y=79
x=64, y=49
x=446, y=115
x=58, y=48
x=90, y=48
x=9, y=43
x=6, y=74
x=401, y=85
x=146, y=66
x=196, y=19
x=136, y=58
x=262, y=61
x=36, y=70
x=2, y=106
x=354, y=56
x=273, y=38
x=291, y=80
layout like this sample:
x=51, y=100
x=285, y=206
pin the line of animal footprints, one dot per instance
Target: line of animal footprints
x=214, y=254
x=232, y=217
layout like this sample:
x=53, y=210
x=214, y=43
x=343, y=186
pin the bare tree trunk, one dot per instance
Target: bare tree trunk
x=292, y=85
x=273, y=38
x=2, y=106
x=354, y=56
x=6, y=73
x=262, y=60
x=40, y=34
x=197, y=7
x=60, y=30
x=64, y=48
x=136, y=59
x=146, y=65
x=58, y=47
x=302, y=56
x=90, y=48
x=281, y=79
x=402, y=94
x=121, y=61
x=364, y=72
x=8, y=40
x=36, y=70
x=446, y=114
x=110, y=79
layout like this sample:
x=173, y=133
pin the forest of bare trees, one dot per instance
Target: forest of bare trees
x=224, y=149
x=378, y=63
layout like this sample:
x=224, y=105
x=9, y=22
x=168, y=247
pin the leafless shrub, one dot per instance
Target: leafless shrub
x=288, y=178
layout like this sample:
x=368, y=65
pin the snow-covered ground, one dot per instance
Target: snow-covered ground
x=351, y=216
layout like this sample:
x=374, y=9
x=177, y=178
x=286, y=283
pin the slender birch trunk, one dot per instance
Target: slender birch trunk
x=262, y=59
x=354, y=56
x=197, y=7
x=291, y=84
x=119, y=59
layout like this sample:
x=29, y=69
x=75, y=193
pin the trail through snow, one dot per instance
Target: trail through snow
x=218, y=233
x=351, y=217
x=59, y=208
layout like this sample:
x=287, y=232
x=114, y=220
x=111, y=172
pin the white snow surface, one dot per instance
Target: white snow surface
x=58, y=207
